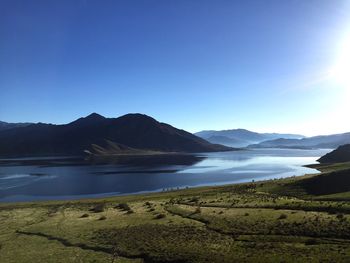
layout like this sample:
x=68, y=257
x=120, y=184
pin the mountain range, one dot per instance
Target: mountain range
x=323, y=141
x=6, y=125
x=96, y=134
x=242, y=137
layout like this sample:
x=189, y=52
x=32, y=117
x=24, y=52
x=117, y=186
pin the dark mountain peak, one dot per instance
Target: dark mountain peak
x=94, y=116
x=88, y=120
x=138, y=118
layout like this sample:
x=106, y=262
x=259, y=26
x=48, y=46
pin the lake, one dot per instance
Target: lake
x=65, y=178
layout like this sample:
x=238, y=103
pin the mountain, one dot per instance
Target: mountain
x=224, y=140
x=241, y=137
x=132, y=131
x=324, y=141
x=339, y=155
x=6, y=125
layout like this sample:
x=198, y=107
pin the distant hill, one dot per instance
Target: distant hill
x=224, y=140
x=6, y=125
x=339, y=155
x=133, y=131
x=242, y=137
x=325, y=141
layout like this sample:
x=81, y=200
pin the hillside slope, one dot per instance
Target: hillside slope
x=341, y=154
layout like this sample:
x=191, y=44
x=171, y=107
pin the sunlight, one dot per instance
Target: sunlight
x=341, y=70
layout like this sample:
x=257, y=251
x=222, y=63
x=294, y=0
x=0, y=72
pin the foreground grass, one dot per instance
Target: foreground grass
x=274, y=221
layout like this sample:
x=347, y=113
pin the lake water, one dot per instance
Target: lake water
x=30, y=179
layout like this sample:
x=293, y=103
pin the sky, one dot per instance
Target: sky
x=264, y=65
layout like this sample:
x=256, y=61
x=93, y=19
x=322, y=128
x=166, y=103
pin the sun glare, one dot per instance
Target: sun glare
x=341, y=70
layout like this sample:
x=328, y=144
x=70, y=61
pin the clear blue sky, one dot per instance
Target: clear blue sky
x=261, y=65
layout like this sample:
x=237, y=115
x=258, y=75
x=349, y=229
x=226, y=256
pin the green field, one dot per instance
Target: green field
x=300, y=219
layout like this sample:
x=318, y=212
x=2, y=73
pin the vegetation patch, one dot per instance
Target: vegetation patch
x=160, y=243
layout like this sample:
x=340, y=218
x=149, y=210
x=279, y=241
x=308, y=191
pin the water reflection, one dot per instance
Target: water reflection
x=119, y=160
x=146, y=160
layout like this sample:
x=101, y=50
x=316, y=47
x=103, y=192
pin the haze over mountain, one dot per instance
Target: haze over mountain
x=339, y=155
x=241, y=137
x=323, y=141
x=130, y=132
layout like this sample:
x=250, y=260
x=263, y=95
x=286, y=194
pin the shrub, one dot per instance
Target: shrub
x=194, y=199
x=198, y=210
x=98, y=208
x=283, y=216
x=159, y=216
x=340, y=216
x=84, y=215
x=123, y=206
